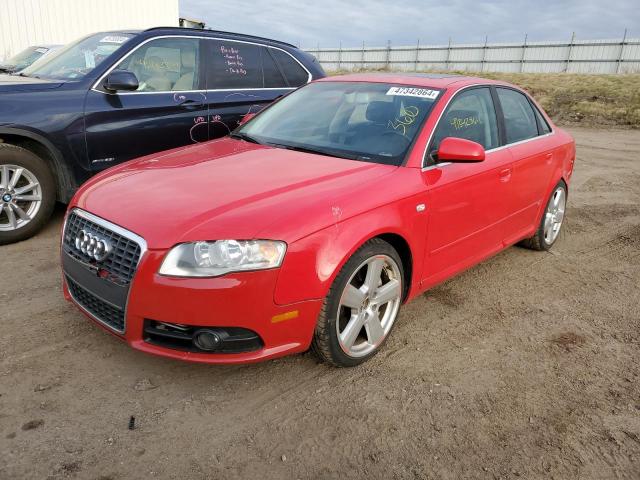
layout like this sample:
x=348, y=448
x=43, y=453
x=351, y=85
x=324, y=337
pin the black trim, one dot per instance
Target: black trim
x=497, y=106
x=180, y=337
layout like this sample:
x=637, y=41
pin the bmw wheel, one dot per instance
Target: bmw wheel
x=27, y=194
x=361, y=307
x=551, y=222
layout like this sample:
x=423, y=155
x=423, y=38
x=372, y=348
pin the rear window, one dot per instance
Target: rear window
x=519, y=119
x=272, y=76
x=296, y=75
x=234, y=65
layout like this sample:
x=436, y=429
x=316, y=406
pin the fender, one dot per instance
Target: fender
x=63, y=177
x=312, y=263
x=562, y=171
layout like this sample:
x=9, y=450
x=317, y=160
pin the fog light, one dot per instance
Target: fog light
x=207, y=340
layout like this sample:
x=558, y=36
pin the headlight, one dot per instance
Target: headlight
x=212, y=259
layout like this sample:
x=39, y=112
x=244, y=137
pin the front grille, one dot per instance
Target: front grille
x=120, y=264
x=101, y=310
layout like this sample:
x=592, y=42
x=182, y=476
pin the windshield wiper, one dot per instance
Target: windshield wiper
x=318, y=151
x=245, y=137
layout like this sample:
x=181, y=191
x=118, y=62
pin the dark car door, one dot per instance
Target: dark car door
x=243, y=78
x=169, y=108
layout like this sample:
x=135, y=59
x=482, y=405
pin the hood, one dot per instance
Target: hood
x=231, y=189
x=16, y=83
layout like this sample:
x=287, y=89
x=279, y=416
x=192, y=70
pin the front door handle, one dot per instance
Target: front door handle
x=189, y=101
x=505, y=175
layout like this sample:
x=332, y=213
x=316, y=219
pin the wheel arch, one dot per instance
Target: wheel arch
x=43, y=148
x=312, y=264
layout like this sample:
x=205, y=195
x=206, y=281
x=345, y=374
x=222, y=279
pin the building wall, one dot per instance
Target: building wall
x=28, y=22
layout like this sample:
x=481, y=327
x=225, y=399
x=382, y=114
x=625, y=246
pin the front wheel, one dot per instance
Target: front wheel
x=27, y=194
x=361, y=307
x=551, y=222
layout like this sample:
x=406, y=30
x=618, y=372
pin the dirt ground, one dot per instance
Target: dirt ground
x=526, y=366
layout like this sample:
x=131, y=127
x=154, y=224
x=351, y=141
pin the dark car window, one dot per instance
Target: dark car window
x=470, y=115
x=296, y=75
x=519, y=119
x=272, y=76
x=234, y=65
x=165, y=64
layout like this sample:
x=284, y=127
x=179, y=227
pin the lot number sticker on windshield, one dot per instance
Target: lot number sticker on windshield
x=414, y=92
x=114, y=39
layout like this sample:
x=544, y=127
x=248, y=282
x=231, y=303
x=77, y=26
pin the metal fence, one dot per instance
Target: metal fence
x=574, y=56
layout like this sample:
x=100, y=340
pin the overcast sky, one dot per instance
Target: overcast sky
x=403, y=22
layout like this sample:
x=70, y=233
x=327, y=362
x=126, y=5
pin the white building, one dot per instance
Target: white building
x=29, y=22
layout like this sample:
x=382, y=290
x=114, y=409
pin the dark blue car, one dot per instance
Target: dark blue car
x=114, y=96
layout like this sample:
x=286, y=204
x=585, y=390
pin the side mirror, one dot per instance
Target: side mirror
x=246, y=118
x=454, y=149
x=121, y=80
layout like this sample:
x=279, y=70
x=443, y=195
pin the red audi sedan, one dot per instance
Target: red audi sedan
x=316, y=220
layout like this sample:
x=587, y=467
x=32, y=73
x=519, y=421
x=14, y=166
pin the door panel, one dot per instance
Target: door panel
x=165, y=112
x=468, y=202
x=467, y=207
x=533, y=158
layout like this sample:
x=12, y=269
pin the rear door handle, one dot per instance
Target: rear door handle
x=548, y=157
x=505, y=175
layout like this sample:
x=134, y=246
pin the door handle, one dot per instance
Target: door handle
x=505, y=175
x=548, y=157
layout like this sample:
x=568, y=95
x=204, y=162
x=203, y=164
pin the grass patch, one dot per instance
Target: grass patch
x=573, y=99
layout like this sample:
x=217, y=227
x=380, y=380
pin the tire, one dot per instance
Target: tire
x=541, y=240
x=336, y=339
x=22, y=215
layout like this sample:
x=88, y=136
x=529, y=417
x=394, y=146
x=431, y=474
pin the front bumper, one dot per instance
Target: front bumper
x=243, y=300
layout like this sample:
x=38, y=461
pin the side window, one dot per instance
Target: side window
x=272, y=76
x=544, y=126
x=234, y=65
x=296, y=75
x=472, y=116
x=519, y=119
x=165, y=64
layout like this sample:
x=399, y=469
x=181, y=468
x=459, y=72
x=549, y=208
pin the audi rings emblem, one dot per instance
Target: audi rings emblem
x=92, y=245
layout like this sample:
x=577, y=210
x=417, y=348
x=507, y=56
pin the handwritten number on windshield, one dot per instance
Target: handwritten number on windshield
x=407, y=117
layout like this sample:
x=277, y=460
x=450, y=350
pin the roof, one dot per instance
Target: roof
x=433, y=80
x=201, y=31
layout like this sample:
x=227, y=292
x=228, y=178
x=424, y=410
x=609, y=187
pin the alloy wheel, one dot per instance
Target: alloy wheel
x=554, y=215
x=20, y=197
x=369, y=306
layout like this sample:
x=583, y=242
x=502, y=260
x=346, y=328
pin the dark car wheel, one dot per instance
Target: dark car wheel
x=361, y=307
x=27, y=194
x=551, y=222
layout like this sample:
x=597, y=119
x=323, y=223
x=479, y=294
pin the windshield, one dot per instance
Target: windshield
x=79, y=58
x=25, y=57
x=375, y=122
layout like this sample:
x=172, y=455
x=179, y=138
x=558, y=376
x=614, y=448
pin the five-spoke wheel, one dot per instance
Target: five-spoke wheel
x=362, y=305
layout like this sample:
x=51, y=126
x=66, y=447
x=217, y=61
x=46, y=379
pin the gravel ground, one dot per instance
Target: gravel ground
x=526, y=366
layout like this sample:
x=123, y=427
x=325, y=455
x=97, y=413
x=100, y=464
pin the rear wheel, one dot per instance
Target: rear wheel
x=551, y=222
x=361, y=307
x=27, y=193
